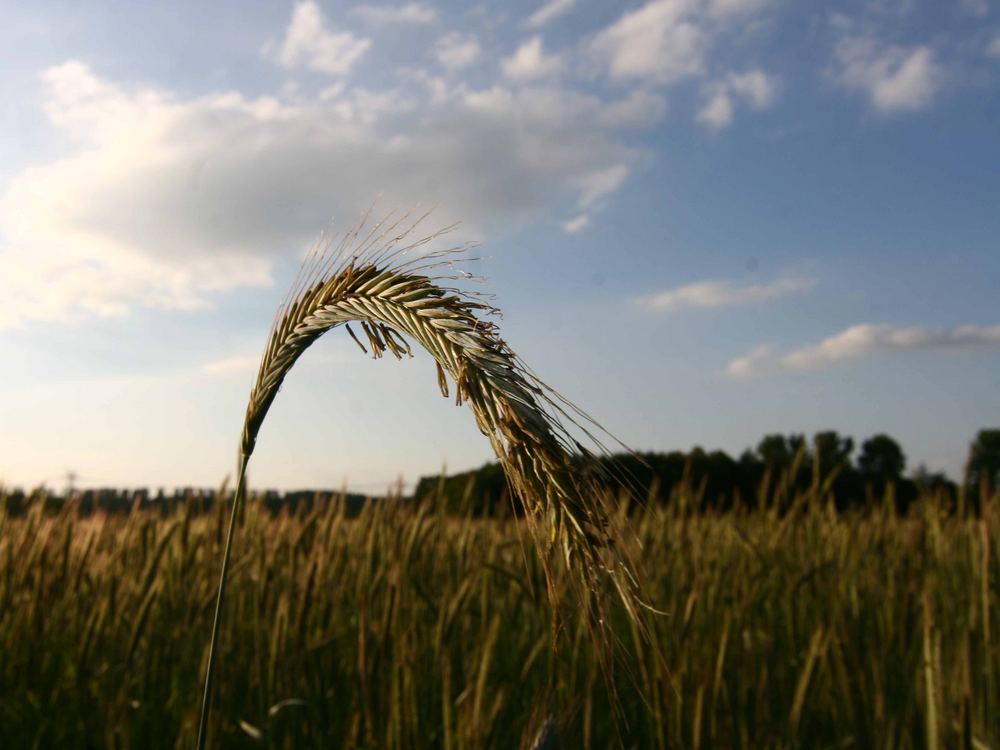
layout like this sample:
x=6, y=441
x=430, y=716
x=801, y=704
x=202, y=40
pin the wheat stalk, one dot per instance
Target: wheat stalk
x=373, y=281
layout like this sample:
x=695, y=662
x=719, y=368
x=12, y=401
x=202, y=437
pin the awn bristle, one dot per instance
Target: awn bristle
x=373, y=281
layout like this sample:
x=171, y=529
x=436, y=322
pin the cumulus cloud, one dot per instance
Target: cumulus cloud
x=409, y=13
x=529, y=62
x=456, y=51
x=895, y=79
x=861, y=341
x=662, y=41
x=309, y=43
x=548, y=12
x=755, y=87
x=714, y=294
x=165, y=200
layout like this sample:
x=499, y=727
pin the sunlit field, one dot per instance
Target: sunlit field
x=405, y=628
x=500, y=375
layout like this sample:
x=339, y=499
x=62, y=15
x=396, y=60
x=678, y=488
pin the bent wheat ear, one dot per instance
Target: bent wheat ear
x=369, y=281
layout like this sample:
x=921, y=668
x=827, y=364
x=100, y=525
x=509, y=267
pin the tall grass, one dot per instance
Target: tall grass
x=406, y=628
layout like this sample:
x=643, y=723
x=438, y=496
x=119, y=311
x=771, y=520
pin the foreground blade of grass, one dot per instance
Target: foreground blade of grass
x=206, y=700
x=372, y=281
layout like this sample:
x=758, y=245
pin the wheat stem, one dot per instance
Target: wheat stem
x=206, y=701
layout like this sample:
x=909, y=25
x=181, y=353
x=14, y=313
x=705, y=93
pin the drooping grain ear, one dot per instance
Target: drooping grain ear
x=397, y=294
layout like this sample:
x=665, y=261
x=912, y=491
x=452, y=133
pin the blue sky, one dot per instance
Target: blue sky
x=705, y=220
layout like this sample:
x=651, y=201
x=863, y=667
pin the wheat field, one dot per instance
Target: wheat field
x=407, y=628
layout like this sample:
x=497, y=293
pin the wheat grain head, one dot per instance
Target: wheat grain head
x=395, y=291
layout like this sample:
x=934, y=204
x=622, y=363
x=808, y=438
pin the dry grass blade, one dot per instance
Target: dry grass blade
x=373, y=280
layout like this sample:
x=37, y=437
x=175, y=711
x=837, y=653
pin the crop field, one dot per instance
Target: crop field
x=402, y=627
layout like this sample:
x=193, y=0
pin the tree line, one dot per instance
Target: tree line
x=776, y=470
x=779, y=466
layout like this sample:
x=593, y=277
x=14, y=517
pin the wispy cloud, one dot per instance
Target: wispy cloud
x=714, y=294
x=247, y=364
x=548, y=12
x=576, y=224
x=594, y=186
x=993, y=48
x=310, y=43
x=977, y=8
x=408, y=13
x=232, y=365
x=861, y=341
x=721, y=8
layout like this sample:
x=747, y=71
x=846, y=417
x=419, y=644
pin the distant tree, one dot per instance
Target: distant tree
x=778, y=451
x=797, y=444
x=832, y=451
x=984, y=459
x=881, y=458
x=928, y=479
x=773, y=450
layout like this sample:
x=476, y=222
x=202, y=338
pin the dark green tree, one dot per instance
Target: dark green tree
x=778, y=451
x=881, y=458
x=984, y=460
x=832, y=451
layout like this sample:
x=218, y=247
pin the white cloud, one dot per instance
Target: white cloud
x=168, y=201
x=993, y=49
x=977, y=8
x=576, y=224
x=596, y=185
x=662, y=41
x=667, y=41
x=755, y=87
x=456, y=51
x=240, y=364
x=530, y=62
x=409, y=13
x=548, y=12
x=638, y=109
x=750, y=365
x=736, y=7
x=248, y=363
x=309, y=43
x=895, y=79
x=714, y=294
x=860, y=341
x=365, y=106
x=717, y=112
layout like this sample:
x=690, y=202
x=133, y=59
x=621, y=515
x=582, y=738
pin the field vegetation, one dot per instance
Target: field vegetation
x=406, y=626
